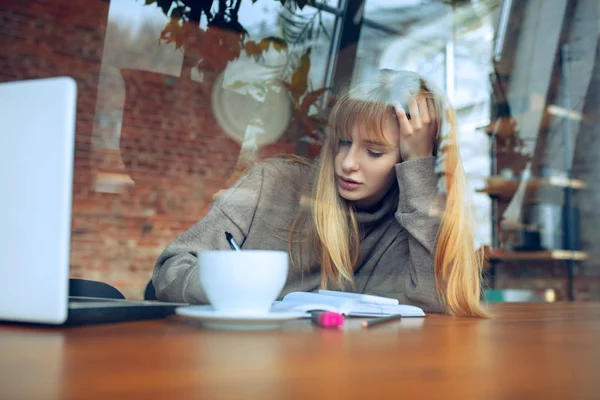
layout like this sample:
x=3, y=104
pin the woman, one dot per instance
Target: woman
x=370, y=216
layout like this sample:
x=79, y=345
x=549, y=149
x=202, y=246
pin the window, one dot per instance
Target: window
x=431, y=38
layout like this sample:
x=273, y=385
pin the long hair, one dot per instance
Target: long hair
x=335, y=232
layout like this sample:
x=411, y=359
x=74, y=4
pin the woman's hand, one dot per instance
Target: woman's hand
x=417, y=133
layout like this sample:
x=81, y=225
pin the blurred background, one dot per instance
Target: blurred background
x=177, y=97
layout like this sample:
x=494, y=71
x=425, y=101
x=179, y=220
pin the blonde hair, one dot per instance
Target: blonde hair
x=335, y=232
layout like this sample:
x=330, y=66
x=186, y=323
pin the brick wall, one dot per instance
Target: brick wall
x=51, y=38
x=131, y=200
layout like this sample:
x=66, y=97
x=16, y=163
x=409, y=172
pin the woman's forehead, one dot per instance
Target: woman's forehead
x=384, y=133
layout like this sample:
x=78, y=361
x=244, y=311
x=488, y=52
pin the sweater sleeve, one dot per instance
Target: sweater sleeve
x=417, y=197
x=175, y=276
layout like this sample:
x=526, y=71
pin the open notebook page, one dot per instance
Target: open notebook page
x=304, y=301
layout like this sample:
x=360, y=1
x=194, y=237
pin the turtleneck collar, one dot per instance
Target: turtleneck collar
x=368, y=217
x=385, y=207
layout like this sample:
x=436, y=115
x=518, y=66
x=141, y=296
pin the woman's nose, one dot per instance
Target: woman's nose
x=350, y=161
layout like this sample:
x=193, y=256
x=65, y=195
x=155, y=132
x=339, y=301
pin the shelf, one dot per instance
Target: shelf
x=497, y=255
x=506, y=188
x=507, y=127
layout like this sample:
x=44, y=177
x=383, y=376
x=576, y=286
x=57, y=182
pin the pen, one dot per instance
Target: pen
x=327, y=319
x=382, y=320
x=232, y=243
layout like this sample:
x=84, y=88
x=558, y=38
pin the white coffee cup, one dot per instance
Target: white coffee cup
x=242, y=282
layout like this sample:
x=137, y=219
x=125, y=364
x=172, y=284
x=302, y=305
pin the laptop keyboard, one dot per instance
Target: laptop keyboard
x=94, y=310
x=94, y=302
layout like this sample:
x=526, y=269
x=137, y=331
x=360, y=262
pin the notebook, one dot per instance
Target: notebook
x=348, y=304
x=37, y=142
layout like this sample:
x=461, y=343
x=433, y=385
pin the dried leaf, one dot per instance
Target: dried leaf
x=278, y=43
x=172, y=33
x=252, y=49
x=299, y=82
x=310, y=98
x=264, y=44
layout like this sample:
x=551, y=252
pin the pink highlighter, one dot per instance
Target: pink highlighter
x=327, y=319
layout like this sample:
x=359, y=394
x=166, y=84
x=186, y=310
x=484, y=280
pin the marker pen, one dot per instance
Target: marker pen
x=327, y=319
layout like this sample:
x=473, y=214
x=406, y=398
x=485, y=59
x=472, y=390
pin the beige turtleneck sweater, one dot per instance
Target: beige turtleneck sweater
x=397, y=243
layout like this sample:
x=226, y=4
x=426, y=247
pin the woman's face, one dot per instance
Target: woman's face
x=365, y=171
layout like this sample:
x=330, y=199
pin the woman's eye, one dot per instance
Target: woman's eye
x=345, y=142
x=374, y=154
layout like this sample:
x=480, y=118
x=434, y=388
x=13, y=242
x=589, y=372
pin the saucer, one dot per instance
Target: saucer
x=210, y=318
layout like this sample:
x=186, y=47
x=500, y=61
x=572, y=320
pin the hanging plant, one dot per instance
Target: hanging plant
x=211, y=36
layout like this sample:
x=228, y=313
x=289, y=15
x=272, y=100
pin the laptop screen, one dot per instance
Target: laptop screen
x=37, y=121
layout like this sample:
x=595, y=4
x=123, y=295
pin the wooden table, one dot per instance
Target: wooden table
x=527, y=351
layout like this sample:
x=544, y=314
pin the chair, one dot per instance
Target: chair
x=150, y=293
x=87, y=288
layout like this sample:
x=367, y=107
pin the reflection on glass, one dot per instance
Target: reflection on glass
x=151, y=150
x=451, y=47
x=181, y=109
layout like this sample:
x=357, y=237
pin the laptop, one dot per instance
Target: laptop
x=37, y=138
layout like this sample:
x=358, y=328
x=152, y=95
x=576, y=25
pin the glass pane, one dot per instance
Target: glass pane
x=417, y=36
x=472, y=94
x=157, y=138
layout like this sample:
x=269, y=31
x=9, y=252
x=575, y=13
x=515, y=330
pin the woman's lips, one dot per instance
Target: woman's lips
x=348, y=184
